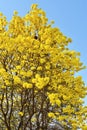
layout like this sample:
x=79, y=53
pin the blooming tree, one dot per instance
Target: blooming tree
x=37, y=75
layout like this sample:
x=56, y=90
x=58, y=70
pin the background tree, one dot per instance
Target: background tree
x=38, y=85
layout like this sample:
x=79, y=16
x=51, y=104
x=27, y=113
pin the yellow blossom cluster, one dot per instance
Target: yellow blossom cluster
x=40, y=82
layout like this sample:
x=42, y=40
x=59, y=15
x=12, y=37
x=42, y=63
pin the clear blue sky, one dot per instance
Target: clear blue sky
x=69, y=15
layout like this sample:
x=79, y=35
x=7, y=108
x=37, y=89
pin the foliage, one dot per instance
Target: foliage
x=37, y=75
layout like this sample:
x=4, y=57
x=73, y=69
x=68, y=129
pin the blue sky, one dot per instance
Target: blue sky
x=69, y=15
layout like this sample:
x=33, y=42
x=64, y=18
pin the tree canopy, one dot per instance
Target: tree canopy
x=38, y=85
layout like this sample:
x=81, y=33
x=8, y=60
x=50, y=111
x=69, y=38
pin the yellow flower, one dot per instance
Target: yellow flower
x=17, y=80
x=42, y=60
x=21, y=113
x=60, y=118
x=33, y=68
x=34, y=80
x=37, y=76
x=84, y=127
x=58, y=102
x=51, y=114
x=33, y=119
x=15, y=12
x=47, y=66
x=3, y=87
x=39, y=68
x=34, y=6
x=7, y=82
x=29, y=73
x=27, y=85
x=18, y=67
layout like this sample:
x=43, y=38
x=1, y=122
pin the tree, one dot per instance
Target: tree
x=38, y=85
